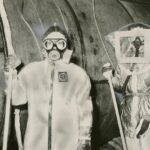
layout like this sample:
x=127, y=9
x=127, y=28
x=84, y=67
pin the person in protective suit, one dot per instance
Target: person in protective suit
x=57, y=94
x=131, y=81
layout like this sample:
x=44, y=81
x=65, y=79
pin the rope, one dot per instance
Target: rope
x=42, y=26
x=34, y=36
x=100, y=36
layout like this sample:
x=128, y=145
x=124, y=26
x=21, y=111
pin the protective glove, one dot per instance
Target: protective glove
x=107, y=70
x=11, y=62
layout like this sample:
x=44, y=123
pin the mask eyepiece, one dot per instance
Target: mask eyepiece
x=60, y=44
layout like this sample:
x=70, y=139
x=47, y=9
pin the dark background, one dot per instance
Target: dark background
x=29, y=19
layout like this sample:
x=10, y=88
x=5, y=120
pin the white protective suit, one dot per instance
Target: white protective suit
x=135, y=107
x=135, y=112
x=58, y=104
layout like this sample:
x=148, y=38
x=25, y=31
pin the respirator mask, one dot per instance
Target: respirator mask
x=55, y=48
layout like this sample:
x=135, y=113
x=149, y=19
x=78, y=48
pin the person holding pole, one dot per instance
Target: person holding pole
x=57, y=94
x=131, y=80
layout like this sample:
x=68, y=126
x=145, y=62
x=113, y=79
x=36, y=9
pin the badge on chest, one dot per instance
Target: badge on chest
x=62, y=76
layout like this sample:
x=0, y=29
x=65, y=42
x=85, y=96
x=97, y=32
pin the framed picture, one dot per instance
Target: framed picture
x=133, y=46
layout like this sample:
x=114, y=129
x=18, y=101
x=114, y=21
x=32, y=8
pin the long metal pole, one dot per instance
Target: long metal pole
x=107, y=73
x=117, y=113
x=10, y=49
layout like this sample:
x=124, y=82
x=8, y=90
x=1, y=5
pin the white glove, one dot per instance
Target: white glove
x=107, y=70
x=11, y=62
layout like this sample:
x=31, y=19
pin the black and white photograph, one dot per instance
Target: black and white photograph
x=74, y=74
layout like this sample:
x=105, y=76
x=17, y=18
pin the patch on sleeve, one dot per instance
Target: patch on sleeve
x=62, y=76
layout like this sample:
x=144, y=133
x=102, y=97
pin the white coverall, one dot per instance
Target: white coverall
x=57, y=94
x=135, y=113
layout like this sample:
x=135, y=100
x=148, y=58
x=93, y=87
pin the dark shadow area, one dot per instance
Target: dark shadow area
x=105, y=126
x=94, y=135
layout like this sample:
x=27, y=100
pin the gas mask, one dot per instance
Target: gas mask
x=55, y=48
